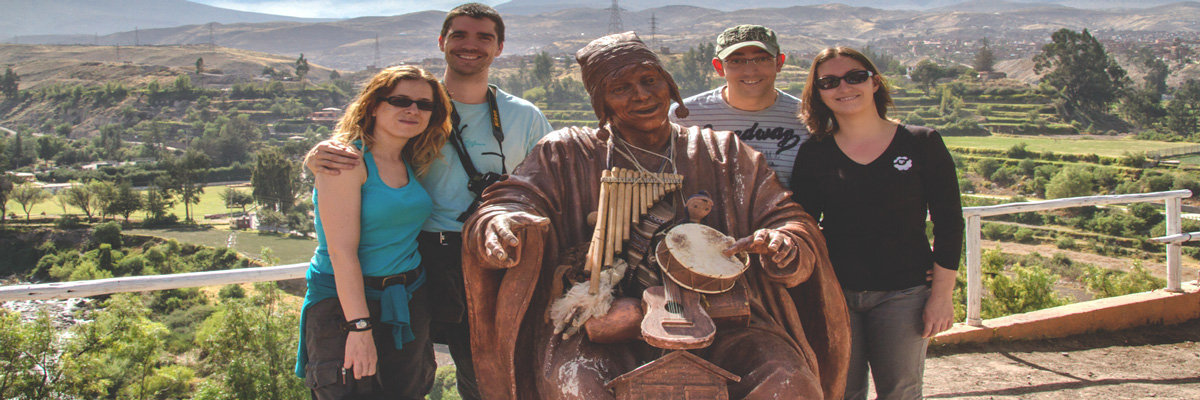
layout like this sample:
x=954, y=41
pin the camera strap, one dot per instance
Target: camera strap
x=497, y=131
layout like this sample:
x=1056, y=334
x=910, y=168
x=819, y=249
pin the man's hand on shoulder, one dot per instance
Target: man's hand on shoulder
x=331, y=157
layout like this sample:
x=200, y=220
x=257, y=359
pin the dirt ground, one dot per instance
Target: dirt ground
x=1143, y=363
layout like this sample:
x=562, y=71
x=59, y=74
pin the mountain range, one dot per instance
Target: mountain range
x=101, y=17
x=351, y=44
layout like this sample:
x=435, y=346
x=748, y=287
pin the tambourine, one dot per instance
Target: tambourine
x=692, y=256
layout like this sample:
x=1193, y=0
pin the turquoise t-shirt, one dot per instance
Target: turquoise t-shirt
x=390, y=220
x=446, y=180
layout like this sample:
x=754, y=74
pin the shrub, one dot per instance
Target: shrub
x=107, y=233
x=1108, y=283
x=1023, y=235
x=1031, y=289
x=1066, y=243
x=232, y=291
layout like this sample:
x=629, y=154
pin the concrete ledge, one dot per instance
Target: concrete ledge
x=1157, y=307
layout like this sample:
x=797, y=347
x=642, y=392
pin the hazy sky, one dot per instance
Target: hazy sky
x=338, y=8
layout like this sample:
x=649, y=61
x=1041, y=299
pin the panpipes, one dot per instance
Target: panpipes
x=625, y=195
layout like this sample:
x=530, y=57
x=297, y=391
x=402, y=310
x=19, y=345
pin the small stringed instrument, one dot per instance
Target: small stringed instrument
x=696, y=277
x=674, y=318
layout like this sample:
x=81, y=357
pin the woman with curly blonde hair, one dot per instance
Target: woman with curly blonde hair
x=365, y=321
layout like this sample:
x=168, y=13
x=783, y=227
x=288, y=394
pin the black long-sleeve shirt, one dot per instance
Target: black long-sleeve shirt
x=873, y=215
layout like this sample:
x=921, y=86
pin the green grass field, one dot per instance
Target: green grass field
x=288, y=249
x=210, y=203
x=1082, y=145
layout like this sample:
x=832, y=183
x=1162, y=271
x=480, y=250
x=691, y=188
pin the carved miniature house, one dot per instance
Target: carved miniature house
x=679, y=375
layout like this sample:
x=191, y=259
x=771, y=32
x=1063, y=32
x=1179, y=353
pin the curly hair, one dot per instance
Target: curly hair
x=815, y=114
x=358, y=123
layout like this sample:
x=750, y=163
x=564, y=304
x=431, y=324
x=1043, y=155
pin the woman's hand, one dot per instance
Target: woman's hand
x=360, y=354
x=939, y=307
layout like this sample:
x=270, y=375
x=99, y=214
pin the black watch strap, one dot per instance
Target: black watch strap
x=357, y=325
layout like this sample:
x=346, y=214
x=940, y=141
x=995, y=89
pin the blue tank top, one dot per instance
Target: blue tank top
x=390, y=220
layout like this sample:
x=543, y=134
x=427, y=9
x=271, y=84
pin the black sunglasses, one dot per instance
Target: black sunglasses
x=852, y=77
x=404, y=102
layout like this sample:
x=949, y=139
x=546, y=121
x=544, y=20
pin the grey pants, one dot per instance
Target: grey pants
x=886, y=341
x=401, y=374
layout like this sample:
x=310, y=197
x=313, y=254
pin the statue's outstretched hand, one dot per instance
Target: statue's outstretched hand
x=500, y=241
x=770, y=243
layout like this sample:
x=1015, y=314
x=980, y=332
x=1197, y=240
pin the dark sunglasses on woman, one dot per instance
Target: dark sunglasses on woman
x=404, y=102
x=852, y=77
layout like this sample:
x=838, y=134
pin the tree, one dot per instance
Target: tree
x=104, y=194
x=199, y=65
x=1157, y=70
x=9, y=83
x=1076, y=64
x=984, y=59
x=125, y=201
x=250, y=345
x=234, y=198
x=693, y=71
x=6, y=188
x=301, y=69
x=185, y=178
x=110, y=140
x=28, y=195
x=926, y=73
x=29, y=357
x=1183, y=112
x=80, y=197
x=1072, y=181
x=274, y=179
x=543, y=68
x=158, y=199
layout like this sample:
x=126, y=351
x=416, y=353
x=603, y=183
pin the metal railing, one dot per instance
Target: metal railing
x=973, y=217
x=66, y=290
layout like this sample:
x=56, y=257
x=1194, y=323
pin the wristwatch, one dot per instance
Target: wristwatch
x=357, y=325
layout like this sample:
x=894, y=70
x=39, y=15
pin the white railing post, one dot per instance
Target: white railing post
x=1173, y=249
x=974, y=272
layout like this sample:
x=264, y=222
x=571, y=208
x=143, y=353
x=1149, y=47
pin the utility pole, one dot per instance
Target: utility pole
x=212, y=44
x=653, y=29
x=376, y=50
x=137, y=41
x=614, y=18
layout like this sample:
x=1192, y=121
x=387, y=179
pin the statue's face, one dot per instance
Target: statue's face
x=638, y=98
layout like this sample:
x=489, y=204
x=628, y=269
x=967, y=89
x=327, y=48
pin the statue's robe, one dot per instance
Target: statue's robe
x=517, y=356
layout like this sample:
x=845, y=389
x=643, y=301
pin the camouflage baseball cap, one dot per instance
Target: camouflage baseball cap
x=746, y=35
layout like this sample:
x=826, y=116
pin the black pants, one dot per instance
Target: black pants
x=401, y=374
x=441, y=256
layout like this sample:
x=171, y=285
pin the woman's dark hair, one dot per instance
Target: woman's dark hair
x=815, y=114
x=477, y=11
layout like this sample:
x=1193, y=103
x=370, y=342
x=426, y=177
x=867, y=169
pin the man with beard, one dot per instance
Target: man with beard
x=749, y=105
x=480, y=149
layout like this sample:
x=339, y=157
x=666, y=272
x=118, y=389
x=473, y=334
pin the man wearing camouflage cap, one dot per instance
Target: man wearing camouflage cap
x=749, y=105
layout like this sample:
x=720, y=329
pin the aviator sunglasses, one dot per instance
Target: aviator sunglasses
x=404, y=102
x=852, y=77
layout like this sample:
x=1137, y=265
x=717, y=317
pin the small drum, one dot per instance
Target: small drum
x=691, y=255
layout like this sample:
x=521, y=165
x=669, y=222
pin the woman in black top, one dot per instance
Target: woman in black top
x=871, y=181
